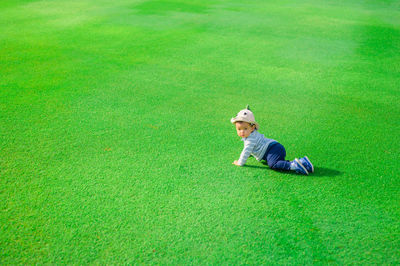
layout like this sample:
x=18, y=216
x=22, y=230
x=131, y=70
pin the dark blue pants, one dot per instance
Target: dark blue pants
x=275, y=157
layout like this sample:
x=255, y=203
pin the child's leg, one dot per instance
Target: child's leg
x=275, y=157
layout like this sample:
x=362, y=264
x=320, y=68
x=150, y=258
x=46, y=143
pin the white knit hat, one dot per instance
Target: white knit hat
x=245, y=115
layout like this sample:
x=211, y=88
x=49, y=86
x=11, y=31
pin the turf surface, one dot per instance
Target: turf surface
x=116, y=146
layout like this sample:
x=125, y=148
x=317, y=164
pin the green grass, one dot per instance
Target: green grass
x=116, y=146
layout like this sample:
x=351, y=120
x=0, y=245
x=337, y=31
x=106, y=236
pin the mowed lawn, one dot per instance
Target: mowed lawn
x=116, y=145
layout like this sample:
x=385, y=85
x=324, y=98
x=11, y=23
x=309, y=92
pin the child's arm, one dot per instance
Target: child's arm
x=248, y=148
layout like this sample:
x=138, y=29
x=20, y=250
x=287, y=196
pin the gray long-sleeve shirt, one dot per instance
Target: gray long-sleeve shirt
x=255, y=144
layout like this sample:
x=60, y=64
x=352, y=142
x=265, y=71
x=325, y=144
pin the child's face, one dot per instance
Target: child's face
x=244, y=129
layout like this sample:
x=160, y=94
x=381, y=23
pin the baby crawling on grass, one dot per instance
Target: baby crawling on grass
x=262, y=148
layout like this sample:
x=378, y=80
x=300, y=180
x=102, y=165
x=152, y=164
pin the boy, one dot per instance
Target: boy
x=263, y=148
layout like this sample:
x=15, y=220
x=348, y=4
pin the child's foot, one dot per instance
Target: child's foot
x=299, y=168
x=307, y=164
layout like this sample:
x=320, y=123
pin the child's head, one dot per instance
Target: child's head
x=244, y=129
x=245, y=122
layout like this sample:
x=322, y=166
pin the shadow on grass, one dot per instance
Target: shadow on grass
x=318, y=171
x=322, y=171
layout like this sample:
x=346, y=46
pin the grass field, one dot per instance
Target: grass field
x=116, y=145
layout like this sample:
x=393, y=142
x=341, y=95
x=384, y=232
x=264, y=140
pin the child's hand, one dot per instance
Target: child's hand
x=236, y=163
